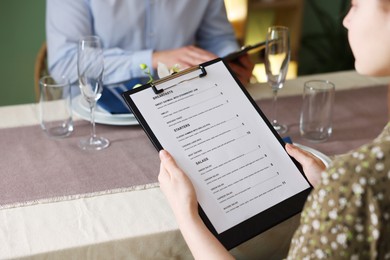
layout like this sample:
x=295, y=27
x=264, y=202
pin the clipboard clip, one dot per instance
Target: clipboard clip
x=176, y=75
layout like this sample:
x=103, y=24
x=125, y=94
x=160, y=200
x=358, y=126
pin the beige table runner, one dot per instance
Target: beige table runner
x=359, y=116
x=37, y=169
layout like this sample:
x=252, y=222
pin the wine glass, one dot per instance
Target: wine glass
x=277, y=58
x=90, y=68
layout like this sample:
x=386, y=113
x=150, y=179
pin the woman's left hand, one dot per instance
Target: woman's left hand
x=312, y=165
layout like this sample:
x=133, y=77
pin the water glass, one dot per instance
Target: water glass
x=316, y=115
x=55, y=109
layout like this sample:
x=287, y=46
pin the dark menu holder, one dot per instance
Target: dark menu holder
x=256, y=52
x=264, y=219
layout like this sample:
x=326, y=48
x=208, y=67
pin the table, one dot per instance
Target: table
x=135, y=224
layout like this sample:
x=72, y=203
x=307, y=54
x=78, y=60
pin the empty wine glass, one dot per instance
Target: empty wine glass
x=90, y=68
x=277, y=58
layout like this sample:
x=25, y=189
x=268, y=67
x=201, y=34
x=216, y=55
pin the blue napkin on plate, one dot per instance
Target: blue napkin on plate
x=111, y=99
x=287, y=139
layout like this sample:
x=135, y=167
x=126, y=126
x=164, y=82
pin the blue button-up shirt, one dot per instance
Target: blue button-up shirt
x=131, y=30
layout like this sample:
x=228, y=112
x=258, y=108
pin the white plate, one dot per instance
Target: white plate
x=80, y=108
x=325, y=159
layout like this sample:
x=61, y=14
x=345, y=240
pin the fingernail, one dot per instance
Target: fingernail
x=290, y=145
x=163, y=155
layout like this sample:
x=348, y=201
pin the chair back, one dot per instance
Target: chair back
x=40, y=69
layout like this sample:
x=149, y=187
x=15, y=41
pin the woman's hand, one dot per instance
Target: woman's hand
x=181, y=196
x=312, y=165
x=177, y=187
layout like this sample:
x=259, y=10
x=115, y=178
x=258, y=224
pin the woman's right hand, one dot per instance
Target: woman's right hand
x=177, y=187
x=181, y=196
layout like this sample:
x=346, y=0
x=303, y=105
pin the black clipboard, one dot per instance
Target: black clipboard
x=253, y=225
x=257, y=50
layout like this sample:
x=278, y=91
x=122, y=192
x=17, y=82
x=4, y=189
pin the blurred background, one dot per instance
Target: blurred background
x=318, y=40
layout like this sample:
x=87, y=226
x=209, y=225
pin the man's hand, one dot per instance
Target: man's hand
x=186, y=57
x=243, y=68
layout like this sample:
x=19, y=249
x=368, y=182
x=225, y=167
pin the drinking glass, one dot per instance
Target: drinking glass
x=315, y=122
x=277, y=58
x=55, y=108
x=90, y=68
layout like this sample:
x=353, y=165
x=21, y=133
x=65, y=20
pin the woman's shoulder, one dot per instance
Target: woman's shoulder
x=363, y=172
x=349, y=205
x=369, y=158
x=370, y=161
x=365, y=169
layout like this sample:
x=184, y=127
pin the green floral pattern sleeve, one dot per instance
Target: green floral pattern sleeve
x=348, y=215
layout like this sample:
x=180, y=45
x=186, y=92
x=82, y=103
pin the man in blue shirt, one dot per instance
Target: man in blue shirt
x=185, y=32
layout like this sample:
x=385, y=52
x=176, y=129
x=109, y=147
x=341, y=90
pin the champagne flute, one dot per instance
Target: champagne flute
x=90, y=68
x=277, y=58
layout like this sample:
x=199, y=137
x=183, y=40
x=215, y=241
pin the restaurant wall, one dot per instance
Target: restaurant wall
x=22, y=30
x=324, y=44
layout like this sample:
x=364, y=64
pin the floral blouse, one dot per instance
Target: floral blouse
x=348, y=215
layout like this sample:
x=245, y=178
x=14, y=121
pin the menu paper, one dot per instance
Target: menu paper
x=236, y=163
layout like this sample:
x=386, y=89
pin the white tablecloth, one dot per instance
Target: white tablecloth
x=128, y=225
